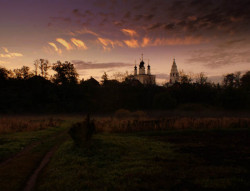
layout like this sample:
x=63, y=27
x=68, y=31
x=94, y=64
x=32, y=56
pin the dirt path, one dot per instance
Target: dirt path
x=23, y=169
x=26, y=150
x=33, y=178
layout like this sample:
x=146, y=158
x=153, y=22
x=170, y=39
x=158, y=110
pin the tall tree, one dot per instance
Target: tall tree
x=4, y=73
x=25, y=71
x=185, y=78
x=36, y=64
x=245, y=80
x=201, y=79
x=22, y=73
x=65, y=73
x=104, y=77
x=232, y=80
x=43, y=65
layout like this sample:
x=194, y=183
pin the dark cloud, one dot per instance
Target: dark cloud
x=138, y=17
x=233, y=43
x=228, y=53
x=138, y=6
x=77, y=13
x=127, y=15
x=89, y=13
x=62, y=19
x=155, y=26
x=148, y=17
x=101, y=4
x=90, y=65
x=178, y=18
x=169, y=26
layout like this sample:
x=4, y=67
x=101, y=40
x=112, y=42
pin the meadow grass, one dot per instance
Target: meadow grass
x=133, y=152
x=158, y=160
x=38, y=128
x=130, y=124
x=22, y=123
x=21, y=166
x=110, y=162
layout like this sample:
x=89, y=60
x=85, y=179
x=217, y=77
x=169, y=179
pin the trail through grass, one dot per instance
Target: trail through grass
x=166, y=160
x=15, y=171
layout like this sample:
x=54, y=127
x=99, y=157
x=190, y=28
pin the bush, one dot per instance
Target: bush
x=82, y=132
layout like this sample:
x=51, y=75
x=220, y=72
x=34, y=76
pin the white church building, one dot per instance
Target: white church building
x=174, y=74
x=144, y=77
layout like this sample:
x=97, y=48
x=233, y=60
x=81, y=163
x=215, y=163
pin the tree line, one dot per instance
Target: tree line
x=23, y=90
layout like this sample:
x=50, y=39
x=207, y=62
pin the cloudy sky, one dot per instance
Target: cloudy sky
x=210, y=36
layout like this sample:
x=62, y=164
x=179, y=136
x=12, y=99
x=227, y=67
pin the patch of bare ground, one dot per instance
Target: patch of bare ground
x=23, y=168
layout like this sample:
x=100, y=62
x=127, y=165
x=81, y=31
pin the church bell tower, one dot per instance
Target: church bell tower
x=174, y=74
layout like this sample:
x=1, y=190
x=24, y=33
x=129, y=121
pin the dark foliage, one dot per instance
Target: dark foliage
x=82, y=132
x=63, y=94
x=3, y=74
x=65, y=73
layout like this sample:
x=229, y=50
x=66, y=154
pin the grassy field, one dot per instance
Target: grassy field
x=16, y=132
x=159, y=160
x=135, y=153
x=22, y=150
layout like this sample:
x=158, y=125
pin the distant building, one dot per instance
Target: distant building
x=174, y=74
x=143, y=77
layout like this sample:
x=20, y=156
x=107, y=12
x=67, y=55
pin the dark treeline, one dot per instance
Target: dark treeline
x=23, y=91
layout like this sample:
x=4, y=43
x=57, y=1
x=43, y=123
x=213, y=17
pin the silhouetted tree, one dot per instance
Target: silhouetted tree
x=185, y=78
x=22, y=73
x=36, y=64
x=43, y=65
x=104, y=77
x=4, y=73
x=65, y=73
x=201, y=79
x=245, y=80
x=119, y=76
x=232, y=80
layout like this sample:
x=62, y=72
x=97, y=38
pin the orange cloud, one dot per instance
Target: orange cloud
x=83, y=31
x=80, y=44
x=64, y=43
x=131, y=43
x=5, y=50
x=108, y=43
x=3, y=62
x=145, y=41
x=129, y=32
x=9, y=54
x=55, y=47
x=189, y=40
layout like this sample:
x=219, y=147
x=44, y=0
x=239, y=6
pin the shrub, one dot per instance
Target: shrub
x=82, y=132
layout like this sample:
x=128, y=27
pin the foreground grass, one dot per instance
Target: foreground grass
x=166, y=160
x=23, y=162
x=12, y=143
x=15, y=141
x=111, y=162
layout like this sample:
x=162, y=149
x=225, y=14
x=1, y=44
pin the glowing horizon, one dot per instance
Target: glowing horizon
x=210, y=37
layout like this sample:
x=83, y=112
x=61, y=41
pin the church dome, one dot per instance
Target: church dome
x=142, y=64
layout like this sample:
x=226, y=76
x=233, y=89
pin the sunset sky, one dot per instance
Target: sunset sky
x=210, y=36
